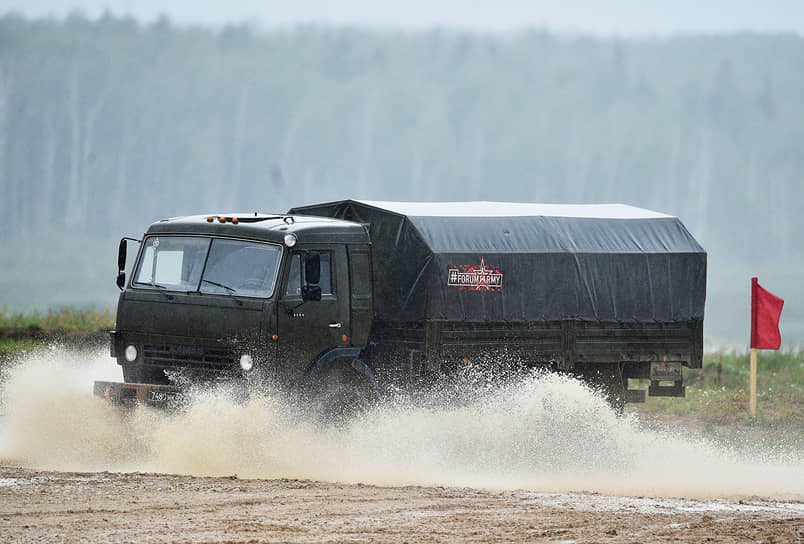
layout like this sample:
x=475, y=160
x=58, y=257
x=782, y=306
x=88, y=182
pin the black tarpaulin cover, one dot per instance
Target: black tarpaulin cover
x=509, y=262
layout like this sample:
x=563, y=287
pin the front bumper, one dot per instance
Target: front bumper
x=131, y=394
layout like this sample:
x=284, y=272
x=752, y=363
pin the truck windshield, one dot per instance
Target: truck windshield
x=208, y=265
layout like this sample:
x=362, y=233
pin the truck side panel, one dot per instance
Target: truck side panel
x=401, y=350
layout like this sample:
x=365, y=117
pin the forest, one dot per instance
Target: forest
x=107, y=125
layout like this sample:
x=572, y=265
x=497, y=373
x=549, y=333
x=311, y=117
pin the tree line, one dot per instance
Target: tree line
x=109, y=124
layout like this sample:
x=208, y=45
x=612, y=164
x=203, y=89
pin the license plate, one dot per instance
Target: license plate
x=665, y=372
x=156, y=396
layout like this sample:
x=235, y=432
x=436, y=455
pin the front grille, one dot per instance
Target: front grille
x=181, y=356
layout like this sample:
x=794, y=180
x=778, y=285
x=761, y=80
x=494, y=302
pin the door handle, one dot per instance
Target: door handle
x=335, y=325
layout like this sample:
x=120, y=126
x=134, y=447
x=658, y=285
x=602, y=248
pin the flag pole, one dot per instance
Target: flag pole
x=766, y=308
x=752, y=402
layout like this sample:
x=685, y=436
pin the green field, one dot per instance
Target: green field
x=65, y=319
x=22, y=333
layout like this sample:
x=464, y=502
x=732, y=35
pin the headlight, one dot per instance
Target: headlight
x=246, y=362
x=290, y=240
x=131, y=353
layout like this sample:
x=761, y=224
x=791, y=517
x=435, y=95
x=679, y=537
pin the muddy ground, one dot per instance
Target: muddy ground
x=38, y=506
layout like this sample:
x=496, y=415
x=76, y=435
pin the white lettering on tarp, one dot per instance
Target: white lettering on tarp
x=457, y=278
x=475, y=278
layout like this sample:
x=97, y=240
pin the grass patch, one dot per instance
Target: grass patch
x=22, y=333
x=13, y=345
x=10, y=348
x=64, y=319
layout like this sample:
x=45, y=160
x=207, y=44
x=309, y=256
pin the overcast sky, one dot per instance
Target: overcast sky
x=623, y=17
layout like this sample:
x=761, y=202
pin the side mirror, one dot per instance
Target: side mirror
x=311, y=293
x=312, y=269
x=121, y=254
x=121, y=263
x=121, y=260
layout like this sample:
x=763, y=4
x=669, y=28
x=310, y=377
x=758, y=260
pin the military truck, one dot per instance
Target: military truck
x=347, y=299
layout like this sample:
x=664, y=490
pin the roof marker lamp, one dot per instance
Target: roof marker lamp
x=290, y=240
x=246, y=362
x=130, y=353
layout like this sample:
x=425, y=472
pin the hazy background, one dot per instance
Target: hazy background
x=626, y=17
x=115, y=116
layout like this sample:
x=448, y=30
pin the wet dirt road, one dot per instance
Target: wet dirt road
x=41, y=506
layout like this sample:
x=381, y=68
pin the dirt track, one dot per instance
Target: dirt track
x=38, y=506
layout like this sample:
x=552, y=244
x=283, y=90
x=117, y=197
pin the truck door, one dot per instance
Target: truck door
x=306, y=329
x=360, y=290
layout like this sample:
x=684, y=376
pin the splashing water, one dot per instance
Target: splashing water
x=544, y=433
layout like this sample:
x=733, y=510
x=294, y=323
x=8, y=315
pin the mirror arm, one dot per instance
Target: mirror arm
x=292, y=311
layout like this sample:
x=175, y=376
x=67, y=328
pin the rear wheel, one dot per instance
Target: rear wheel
x=607, y=379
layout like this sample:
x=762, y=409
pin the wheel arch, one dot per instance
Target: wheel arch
x=335, y=357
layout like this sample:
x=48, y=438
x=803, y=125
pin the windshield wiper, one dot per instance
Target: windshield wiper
x=151, y=283
x=154, y=284
x=230, y=289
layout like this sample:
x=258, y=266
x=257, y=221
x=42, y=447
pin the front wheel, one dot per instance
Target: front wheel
x=343, y=393
x=343, y=403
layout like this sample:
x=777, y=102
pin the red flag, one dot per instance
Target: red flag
x=766, y=309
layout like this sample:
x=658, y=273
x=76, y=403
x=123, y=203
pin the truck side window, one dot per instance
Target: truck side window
x=326, y=274
x=295, y=277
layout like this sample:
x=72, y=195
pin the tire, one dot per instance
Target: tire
x=607, y=379
x=342, y=404
x=343, y=393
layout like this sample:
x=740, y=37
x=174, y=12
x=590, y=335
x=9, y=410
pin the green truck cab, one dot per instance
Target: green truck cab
x=223, y=294
x=348, y=298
